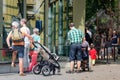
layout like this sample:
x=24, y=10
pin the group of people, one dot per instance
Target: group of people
x=22, y=48
x=80, y=48
x=105, y=43
x=108, y=45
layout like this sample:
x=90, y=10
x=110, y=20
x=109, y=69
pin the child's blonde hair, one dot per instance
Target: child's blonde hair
x=36, y=30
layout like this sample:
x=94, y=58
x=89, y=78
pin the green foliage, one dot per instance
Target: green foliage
x=103, y=20
x=92, y=6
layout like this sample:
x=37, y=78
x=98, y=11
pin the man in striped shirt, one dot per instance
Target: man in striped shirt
x=75, y=37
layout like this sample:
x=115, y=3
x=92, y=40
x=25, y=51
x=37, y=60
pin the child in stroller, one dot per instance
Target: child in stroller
x=48, y=62
x=85, y=55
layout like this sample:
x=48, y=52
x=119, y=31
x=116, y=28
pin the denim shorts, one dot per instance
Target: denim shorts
x=75, y=52
x=19, y=49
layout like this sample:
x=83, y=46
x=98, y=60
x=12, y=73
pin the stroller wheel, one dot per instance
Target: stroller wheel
x=46, y=70
x=37, y=69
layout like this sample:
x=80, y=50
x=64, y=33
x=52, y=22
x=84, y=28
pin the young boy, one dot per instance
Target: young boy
x=85, y=49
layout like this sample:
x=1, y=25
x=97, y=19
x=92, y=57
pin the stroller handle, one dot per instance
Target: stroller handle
x=37, y=43
x=42, y=47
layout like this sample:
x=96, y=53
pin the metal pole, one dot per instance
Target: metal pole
x=54, y=9
x=60, y=28
x=24, y=9
x=1, y=27
x=46, y=22
x=107, y=54
x=50, y=27
x=114, y=54
x=54, y=6
x=119, y=10
x=67, y=16
x=66, y=48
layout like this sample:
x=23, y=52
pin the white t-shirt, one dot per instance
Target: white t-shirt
x=27, y=31
x=90, y=33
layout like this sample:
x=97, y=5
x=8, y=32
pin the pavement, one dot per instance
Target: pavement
x=100, y=71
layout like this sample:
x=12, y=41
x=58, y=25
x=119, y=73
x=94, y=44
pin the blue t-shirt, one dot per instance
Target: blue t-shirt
x=114, y=39
x=36, y=38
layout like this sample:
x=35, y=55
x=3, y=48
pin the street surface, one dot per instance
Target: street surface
x=100, y=72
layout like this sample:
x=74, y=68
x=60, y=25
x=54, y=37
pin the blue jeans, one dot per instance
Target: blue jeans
x=75, y=52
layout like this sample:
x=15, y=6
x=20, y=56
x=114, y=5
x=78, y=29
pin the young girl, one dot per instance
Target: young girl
x=34, y=53
x=93, y=54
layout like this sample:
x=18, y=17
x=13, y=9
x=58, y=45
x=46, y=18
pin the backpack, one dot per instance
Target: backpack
x=17, y=35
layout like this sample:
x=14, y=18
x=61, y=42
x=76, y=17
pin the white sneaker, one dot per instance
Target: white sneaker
x=56, y=57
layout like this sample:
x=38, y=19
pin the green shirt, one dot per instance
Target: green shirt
x=75, y=35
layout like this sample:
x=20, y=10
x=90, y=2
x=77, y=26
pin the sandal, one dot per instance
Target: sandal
x=22, y=74
x=13, y=65
x=69, y=71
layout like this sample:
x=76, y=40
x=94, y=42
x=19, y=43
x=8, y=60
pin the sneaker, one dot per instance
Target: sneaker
x=22, y=74
x=78, y=71
x=57, y=57
x=26, y=71
x=70, y=71
x=13, y=65
x=83, y=69
x=93, y=64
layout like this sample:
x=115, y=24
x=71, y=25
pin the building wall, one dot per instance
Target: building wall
x=79, y=13
x=9, y=8
x=1, y=29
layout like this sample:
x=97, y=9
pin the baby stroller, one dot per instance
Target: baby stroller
x=86, y=62
x=48, y=62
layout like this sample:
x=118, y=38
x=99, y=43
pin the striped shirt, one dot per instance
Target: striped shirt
x=75, y=35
